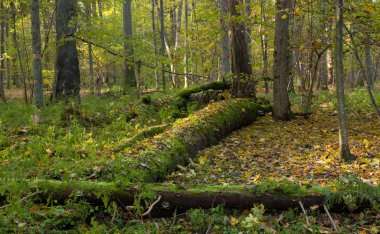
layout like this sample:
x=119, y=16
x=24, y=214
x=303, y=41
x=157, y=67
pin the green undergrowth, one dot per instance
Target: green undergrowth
x=67, y=141
x=79, y=216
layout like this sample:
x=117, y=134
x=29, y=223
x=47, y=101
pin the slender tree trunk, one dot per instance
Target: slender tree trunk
x=90, y=55
x=100, y=7
x=162, y=37
x=38, y=92
x=129, y=74
x=339, y=75
x=2, y=51
x=282, y=70
x=7, y=60
x=264, y=45
x=15, y=41
x=248, y=31
x=156, y=76
x=368, y=60
x=67, y=81
x=185, y=60
x=225, y=40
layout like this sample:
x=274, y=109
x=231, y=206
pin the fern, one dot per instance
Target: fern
x=353, y=191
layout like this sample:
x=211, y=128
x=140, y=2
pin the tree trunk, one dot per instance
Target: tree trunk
x=264, y=45
x=162, y=38
x=225, y=39
x=8, y=60
x=129, y=74
x=100, y=7
x=243, y=84
x=67, y=80
x=344, y=149
x=90, y=56
x=156, y=76
x=15, y=41
x=180, y=198
x=185, y=59
x=282, y=70
x=38, y=92
x=2, y=52
x=368, y=61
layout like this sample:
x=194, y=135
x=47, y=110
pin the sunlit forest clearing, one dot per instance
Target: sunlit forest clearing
x=189, y=116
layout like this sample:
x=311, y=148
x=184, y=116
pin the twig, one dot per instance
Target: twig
x=304, y=211
x=365, y=132
x=151, y=207
x=212, y=205
x=21, y=200
x=174, y=216
x=331, y=219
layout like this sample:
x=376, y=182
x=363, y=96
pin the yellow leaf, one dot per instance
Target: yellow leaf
x=234, y=221
x=284, y=17
x=203, y=160
x=297, y=11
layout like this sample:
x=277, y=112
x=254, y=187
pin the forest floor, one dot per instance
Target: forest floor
x=303, y=151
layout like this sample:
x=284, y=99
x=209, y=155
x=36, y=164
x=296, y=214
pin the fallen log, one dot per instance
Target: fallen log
x=156, y=157
x=210, y=89
x=143, y=134
x=174, y=197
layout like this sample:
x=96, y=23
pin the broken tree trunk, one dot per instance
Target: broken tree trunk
x=174, y=197
x=154, y=158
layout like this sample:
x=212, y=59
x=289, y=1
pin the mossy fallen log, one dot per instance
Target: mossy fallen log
x=217, y=85
x=143, y=134
x=212, y=89
x=174, y=197
x=154, y=158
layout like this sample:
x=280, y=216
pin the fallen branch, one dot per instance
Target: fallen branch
x=331, y=219
x=21, y=200
x=151, y=207
x=304, y=211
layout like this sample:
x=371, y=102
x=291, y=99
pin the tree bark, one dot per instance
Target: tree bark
x=183, y=197
x=243, y=84
x=2, y=53
x=38, y=92
x=90, y=55
x=344, y=149
x=129, y=74
x=153, y=17
x=8, y=60
x=15, y=41
x=368, y=61
x=264, y=45
x=282, y=70
x=67, y=80
x=162, y=38
x=225, y=39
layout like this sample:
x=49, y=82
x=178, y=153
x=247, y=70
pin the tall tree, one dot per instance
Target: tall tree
x=129, y=74
x=16, y=44
x=264, y=44
x=281, y=67
x=90, y=55
x=153, y=16
x=2, y=51
x=344, y=149
x=38, y=95
x=162, y=38
x=67, y=80
x=243, y=84
x=225, y=40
